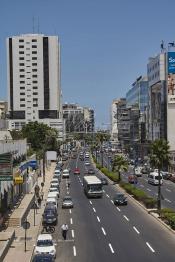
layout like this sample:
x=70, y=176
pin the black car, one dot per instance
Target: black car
x=91, y=171
x=104, y=181
x=49, y=217
x=120, y=199
x=51, y=207
x=43, y=258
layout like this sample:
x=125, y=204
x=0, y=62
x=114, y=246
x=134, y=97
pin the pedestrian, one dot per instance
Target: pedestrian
x=64, y=229
x=39, y=201
x=42, y=195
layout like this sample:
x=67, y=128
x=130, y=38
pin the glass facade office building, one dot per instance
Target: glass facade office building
x=138, y=94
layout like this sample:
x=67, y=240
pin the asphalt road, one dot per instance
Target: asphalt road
x=100, y=231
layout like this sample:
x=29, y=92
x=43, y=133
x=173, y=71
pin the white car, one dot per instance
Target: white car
x=53, y=195
x=54, y=180
x=65, y=173
x=45, y=245
x=87, y=163
x=52, y=201
x=54, y=189
x=54, y=184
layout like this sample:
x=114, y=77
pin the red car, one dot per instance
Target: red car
x=77, y=171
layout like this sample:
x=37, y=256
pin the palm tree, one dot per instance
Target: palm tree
x=120, y=164
x=159, y=157
x=101, y=137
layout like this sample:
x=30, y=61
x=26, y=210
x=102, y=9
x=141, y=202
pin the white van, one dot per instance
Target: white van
x=52, y=201
x=153, y=178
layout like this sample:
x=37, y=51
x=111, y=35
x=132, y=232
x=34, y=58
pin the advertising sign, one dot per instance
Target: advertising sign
x=171, y=62
x=6, y=167
x=18, y=180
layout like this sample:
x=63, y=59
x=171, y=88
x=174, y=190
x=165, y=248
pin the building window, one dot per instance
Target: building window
x=22, y=87
x=34, y=58
x=21, y=58
x=27, y=48
x=22, y=105
x=35, y=82
x=21, y=52
x=34, y=70
x=34, y=76
x=34, y=46
x=21, y=70
x=21, y=40
x=22, y=99
x=35, y=87
x=34, y=64
x=21, y=64
x=34, y=40
x=29, y=96
x=34, y=52
x=35, y=99
x=21, y=76
x=21, y=46
x=35, y=93
x=22, y=94
x=35, y=105
x=22, y=82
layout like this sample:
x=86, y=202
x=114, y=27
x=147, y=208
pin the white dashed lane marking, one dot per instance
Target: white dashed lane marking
x=118, y=209
x=167, y=200
x=126, y=218
x=74, y=251
x=103, y=231
x=111, y=248
x=136, y=230
x=168, y=190
x=73, y=235
x=150, y=247
x=90, y=202
x=112, y=201
x=107, y=195
x=70, y=211
x=71, y=221
x=98, y=219
x=94, y=209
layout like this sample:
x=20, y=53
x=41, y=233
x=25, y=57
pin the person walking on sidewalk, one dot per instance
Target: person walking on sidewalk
x=64, y=229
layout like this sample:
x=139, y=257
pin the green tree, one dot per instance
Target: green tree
x=119, y=165
x=159, y=157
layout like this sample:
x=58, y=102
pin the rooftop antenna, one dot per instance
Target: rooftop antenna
x=38, y=26
x=33, y=24
x=162, y=46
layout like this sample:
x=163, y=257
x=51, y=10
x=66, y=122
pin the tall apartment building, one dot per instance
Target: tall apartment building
x=114, y=124
x=34, y=91
x=78, y=118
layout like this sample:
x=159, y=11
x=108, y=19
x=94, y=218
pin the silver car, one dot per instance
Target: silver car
x=67, y=202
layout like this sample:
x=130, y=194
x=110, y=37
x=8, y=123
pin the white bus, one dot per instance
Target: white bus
x=92, y=186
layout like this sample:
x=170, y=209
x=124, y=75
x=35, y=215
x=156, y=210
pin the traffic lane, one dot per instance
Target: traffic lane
x=152, y=190
x=89, y=243
x=145, y=225
x=125, y=242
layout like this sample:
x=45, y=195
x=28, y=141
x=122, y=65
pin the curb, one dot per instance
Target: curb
x=8, y=242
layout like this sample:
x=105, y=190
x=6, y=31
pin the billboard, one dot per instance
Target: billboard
x=171, y=62
x=6, y=173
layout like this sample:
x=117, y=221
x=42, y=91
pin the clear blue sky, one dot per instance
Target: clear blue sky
x=105, y=44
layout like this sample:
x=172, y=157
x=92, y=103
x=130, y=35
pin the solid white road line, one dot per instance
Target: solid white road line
x=126, y=218
x=90, y=202
x=168, y=190
x=70, y=211
x=136, y=230
x=112, y=250
x=71, y=221
x=98, y=219
x=72, y=231
x=103, y=231
x=118, y=209
x=167, y=200
x=94, y=209
x=112, y=201
x=82, y=184
x=74, y=251
x=150, y=247
x=107, y=195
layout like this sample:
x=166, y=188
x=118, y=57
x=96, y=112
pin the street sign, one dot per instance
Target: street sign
x=6, y=178
x=6, y=165
x=26, y=225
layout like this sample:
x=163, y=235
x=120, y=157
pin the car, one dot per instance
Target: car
x=54, y=189
x=52, y=201
x=166, y=175
x=45, y=245
x=87, y=163
x=53, y=195
x=172, y=178
x=120, y=199
x=138, y=171
x=53, y=185
x=82, y=158
x=132, y=179
x=104, y=181
x=43, y=258
x=91, y=171
x=51, y=207
x=54, y=180
x=76, y=171
x=49, y=217
x=67, y=202
x=65, y=173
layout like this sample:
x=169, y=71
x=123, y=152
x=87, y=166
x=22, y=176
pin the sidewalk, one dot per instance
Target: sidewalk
x=16, y=251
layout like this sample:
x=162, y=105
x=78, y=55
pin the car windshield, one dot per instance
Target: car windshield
x=67, y=199
x=120, y=196
x=44, y=243
x=65, y=172
x=43, y=259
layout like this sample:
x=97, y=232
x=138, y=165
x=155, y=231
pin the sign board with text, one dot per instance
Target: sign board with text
x=6, y=173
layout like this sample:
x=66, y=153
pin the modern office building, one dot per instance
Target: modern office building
x=114, y=124
x=78, y=118
x=33, y=70
x=138, y=94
